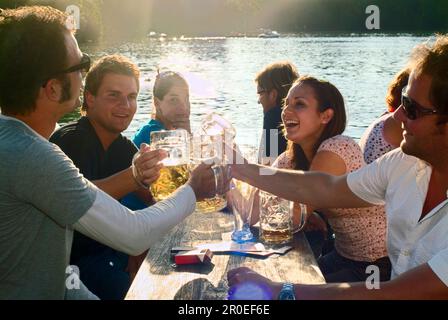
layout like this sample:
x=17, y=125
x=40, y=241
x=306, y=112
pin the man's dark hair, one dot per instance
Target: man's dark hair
x=32, y=49
x=114, y=64
x=279, y=76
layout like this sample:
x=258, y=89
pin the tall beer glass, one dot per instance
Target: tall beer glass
x=175, y=172
x=209, y=149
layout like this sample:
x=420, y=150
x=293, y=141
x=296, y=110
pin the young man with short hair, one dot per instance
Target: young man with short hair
x=97, y=148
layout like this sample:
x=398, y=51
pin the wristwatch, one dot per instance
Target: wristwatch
x=287, y=292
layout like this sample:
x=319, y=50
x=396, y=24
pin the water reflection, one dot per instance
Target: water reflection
x=221, y=73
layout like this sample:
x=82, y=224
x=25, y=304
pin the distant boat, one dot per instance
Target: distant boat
x=269, y=34
x=152, y=34
x=155, y=35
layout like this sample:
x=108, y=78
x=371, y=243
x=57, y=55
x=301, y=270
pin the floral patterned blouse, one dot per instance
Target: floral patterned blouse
x=373, y=144
x=360, y=233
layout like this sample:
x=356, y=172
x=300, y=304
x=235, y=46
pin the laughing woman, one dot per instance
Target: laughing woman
x=314, y=118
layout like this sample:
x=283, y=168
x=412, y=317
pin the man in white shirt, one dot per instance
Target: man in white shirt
x=43, y=198
x=412, y=182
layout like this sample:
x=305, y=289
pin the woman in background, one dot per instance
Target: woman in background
x=171, y=110
x=385, y=133
x=171, y=106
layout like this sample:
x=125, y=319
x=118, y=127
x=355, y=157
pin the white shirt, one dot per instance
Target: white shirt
x=401, y=182
x=133, y=232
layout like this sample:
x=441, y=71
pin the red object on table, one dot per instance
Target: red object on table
x=193, y=257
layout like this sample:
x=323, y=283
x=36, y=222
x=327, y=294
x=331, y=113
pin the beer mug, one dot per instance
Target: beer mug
x=175, y=172
x=214, y=124
x=275, y=219
x=299, y=216
x=209, y=149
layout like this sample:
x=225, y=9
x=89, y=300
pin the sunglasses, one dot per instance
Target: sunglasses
x=412, y=109
x=83, y=66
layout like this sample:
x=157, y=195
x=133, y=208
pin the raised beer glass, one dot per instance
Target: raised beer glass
x=209, y=149
x=175, y=172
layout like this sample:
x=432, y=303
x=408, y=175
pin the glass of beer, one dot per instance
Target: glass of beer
x=209, y=149
x=175, y=172
x=275, y=219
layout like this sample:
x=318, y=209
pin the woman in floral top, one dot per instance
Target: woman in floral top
x=385, y=133
x=314, y=118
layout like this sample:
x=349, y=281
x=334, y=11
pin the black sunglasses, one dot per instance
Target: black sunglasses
x=83, y=66
x=412, y=109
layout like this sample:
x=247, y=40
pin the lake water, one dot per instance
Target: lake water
x=221, y=72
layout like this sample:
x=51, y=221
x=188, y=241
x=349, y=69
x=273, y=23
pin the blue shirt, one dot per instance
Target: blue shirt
x=143, y=135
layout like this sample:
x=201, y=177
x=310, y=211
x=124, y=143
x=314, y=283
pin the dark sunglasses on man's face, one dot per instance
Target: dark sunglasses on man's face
x=412, y=109
x=83, y=66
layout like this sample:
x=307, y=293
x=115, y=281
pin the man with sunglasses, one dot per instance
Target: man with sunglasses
x=412, y=183
x=43, y=198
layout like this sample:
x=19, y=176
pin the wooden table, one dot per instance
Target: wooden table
x=159, y=279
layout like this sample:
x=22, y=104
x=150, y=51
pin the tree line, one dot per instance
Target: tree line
x=116, y=19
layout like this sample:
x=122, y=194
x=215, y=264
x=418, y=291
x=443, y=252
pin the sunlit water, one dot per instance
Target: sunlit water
x=221, y=72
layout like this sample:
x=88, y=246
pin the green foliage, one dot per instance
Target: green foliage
x=350, y=16
x=125, y=20
x=91, y=24
x=12, y=3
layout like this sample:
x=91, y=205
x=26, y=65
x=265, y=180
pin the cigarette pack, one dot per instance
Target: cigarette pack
x=193, y=257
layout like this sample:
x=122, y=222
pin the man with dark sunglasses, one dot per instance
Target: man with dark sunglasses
x=412, y=183
x=43, y=197
x=83, y=66
x=412, y=109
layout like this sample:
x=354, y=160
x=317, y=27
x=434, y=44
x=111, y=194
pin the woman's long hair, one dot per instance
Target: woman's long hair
x=328, y=97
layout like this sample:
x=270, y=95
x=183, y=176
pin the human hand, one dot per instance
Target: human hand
x=146, y=166
x=203, y=180
x=246, y=284
x=316, y=223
